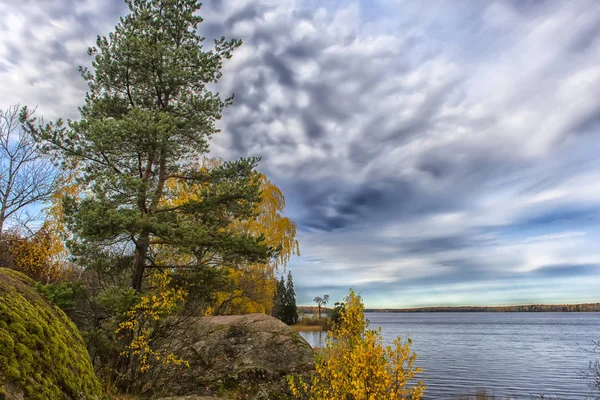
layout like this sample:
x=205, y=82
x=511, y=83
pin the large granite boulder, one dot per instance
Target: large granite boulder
x=42, y=354
x=240, y=356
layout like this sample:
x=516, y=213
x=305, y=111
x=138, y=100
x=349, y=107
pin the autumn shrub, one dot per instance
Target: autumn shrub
x=35, y=256
x=335, y=316
x=143, y=323
x=592, y=373
x=355, y=365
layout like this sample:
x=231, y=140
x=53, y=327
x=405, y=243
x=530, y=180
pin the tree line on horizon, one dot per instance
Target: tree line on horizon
x=583, y=307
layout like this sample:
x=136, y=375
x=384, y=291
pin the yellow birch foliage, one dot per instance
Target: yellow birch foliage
x=55, y=213
x=251, y=290
x=279, y=231
x=160, y=302
x=252, y=286
x=48, y=243
x=355, y=365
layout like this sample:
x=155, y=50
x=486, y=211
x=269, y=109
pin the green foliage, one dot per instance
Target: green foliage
x=290, y=311
x=279, y=299
x=41, y=351
x=335, y=315
x=61, y=294
x=285, y=301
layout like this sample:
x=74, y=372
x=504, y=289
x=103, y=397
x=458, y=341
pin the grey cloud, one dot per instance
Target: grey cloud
x=589, y=124
x=562, y=271
x=249, y=12
x=279, y=67
x=299, y=51
x=437, y=244
x=51, y=38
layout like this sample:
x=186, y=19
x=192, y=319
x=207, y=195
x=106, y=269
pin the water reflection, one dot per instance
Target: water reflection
x=315, y=338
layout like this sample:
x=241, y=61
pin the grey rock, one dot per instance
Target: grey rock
x=238, y=356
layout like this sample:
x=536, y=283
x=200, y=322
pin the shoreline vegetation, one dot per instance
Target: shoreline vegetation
x=582, y=307
x=309, y=323
x=299, y=327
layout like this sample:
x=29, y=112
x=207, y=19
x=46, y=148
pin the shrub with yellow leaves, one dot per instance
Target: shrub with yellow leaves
x=144, y=319
x=35, y=256
x=355, y=365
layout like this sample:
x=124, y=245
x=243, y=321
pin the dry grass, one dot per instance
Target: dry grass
x=307, y=328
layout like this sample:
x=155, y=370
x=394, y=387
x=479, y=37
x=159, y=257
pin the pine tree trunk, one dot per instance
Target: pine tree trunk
x=139, y=261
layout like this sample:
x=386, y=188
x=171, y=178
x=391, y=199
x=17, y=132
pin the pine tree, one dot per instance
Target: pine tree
x=279, y=300
x=290, y=309
x=146, y=121
x=143, y=130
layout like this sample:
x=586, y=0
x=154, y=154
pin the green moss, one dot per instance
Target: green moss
x=41, y=351
x=297, y=338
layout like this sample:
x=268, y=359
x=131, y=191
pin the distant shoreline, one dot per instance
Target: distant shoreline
x=583, y=307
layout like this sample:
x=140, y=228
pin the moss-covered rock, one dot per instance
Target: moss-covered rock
x=42, y=354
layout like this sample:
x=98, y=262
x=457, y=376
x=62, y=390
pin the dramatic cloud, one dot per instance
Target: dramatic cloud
x=430, y=155
x=42, y=44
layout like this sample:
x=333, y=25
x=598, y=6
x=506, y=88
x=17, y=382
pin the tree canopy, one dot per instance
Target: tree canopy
x=321, y=301
x=146, y=120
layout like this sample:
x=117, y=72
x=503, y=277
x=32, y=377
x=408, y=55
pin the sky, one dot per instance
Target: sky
x=431, y=153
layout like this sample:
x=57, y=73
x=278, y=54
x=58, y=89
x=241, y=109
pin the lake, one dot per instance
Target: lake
x=514, y=354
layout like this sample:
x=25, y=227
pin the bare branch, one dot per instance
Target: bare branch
x=26, y=175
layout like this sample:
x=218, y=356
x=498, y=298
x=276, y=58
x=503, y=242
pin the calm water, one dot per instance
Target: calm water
x=516, y=354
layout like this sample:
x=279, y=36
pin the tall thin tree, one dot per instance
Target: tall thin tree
x=291, y=310
x=321, y=301
x=279, y=299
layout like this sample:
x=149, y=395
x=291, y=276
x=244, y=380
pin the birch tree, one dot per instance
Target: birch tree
x=27, y=177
